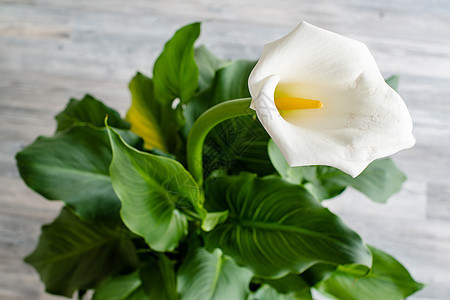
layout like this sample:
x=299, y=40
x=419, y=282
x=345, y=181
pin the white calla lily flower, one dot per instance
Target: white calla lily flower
x=322, y=99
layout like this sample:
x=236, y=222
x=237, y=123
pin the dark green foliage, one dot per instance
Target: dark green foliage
x=75, y=254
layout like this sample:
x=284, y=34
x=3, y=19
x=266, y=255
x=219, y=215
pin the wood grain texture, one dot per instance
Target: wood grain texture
x=52, y=50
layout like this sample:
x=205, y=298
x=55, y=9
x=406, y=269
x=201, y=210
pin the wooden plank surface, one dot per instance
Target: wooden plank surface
x=53, y=50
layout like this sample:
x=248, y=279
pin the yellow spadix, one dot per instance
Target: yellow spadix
x=291, y=103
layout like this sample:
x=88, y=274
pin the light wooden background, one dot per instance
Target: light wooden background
x=51, y=50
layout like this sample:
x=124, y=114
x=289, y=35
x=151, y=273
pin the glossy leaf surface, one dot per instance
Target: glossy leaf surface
x=387, y=279
x=148, y=117
x=126, y=287
x=75, y=254
x=238, y=144
x=228, y=82
x=266, y=292
x=155, y=279
x=156, y=192
x=209, y=276
x=275, y=227
x=207, y=64
x=380, y=180
x=73, y=167
x=175, y=72
x=287, y=284
x=88, y=110
x=158, y=278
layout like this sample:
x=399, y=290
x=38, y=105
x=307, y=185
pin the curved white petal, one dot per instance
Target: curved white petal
x=362, y=118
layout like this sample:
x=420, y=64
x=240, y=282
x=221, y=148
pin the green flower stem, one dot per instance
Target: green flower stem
x=204, y=124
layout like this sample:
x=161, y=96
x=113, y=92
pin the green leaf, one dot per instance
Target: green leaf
x=149, y=118
x=379, y=181
x=393, y=81
x=88, y=110
x=239, y=144
x=75, y=254
x=208, y=276
x=158, y=278
x=236, y=145
x=321, y=181
x=73, y=167
x=275, y=228
x=292, y=175
x=214, y=218
x=287, y=284
x=175, y=73
x=387, y=280
x=317, y=273
x=154, y=280
x=207, y=64
x=127, y=287
x=230, y=82
x=156, y=194
x=266, y=292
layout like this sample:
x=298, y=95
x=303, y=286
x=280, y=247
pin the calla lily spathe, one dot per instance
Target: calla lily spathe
x=322, y=99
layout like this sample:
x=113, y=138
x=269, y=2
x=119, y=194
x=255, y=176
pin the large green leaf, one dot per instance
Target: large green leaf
x=175, y=73
x=239, y=144
x=154, y=280
x=88, y=110
x=292, y=175
x=387, y=280
x=126, y=287
x=156, y=194
x=287, y=284
x=275, y=227
x=266, y=292
x=294, y=286
x=207, y=64
x=75, y=254
x=158, y=279
x=209, y=276
x=219, y=81
x=230, y=82
x=380, y=180
x=318, y=272
x=149, y=118
x=73, y=167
